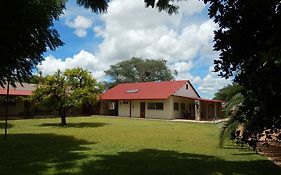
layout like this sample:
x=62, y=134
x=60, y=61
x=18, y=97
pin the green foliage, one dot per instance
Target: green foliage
x=139, y=70
x=162, y=5
x=248, y=39
x=227, y=92
x=231, y=94
x=27, y=32
x=64, y=91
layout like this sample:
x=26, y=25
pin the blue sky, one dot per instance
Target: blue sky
x=94, y=42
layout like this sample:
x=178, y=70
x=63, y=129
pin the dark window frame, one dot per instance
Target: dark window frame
x=155, y=106
x=176, y=106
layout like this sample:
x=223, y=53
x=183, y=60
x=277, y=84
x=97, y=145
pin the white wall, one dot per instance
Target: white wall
x=190, y=92
x=124, y=109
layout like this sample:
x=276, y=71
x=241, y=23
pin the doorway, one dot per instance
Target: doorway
x=142, y=110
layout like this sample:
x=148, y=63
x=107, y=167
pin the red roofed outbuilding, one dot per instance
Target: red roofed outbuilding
x=167, y=100
x=16, y=106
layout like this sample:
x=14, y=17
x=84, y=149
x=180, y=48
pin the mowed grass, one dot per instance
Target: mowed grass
x=122, y=146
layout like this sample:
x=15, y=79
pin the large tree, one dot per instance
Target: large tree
x=139, y=70
x=64, y=91
x=26, y=34
x=27, y=31
x=248, y=40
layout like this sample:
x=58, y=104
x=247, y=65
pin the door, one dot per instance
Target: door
x=142, y=110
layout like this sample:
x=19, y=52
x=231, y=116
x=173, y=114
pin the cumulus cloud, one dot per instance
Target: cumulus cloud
x=211, y=83
x=130, y=30
x=83, y=59
x=80, y=24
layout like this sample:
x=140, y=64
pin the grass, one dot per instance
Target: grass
x=120, y=146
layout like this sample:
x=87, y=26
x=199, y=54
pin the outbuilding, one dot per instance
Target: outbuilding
x=165, y=100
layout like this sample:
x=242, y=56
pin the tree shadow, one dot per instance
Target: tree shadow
x=153, y=161
x=2, y=125
x=75, y=125
x=244, y=147
x=40, y=153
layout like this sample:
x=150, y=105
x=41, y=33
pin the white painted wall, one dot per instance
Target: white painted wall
x=190, y=92
x=124, y=109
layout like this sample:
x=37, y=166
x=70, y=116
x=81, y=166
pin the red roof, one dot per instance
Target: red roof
x=16, y=92
x=143, y=90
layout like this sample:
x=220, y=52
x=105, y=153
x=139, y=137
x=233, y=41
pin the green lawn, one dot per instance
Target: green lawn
x=105, y=145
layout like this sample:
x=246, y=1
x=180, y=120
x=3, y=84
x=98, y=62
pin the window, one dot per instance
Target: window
x=111, y=105
x=157, y=106
x=182, y=106
x=132, y=91
x=176, y=106
x=125, y=102
x=186, y=86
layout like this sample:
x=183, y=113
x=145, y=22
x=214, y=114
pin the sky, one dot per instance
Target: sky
x=128, y=29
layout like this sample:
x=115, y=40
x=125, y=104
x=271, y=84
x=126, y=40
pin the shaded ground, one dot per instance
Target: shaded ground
x=273, y=152
x=105, y=146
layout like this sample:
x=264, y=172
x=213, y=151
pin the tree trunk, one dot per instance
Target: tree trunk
x=63, y=119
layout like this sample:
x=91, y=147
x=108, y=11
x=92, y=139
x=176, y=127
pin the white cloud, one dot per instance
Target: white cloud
x=129, y=29
x=211, y=83
x=80, y=24
x=83, y=59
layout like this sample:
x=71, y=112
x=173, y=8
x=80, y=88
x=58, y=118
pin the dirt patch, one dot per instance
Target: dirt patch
x=272, y=151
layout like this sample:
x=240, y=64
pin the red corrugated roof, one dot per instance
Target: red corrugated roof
x=145, y=90
x=16, y=92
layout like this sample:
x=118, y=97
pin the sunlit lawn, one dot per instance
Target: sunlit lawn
x=121, y=146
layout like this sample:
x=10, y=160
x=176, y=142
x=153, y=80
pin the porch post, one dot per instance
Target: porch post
x=6, y=109
x=197, y=110
x=216, y=111
x=130, y=108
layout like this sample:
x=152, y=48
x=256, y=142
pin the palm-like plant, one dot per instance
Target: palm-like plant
x=233, y=97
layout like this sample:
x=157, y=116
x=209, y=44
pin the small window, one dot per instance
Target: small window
x=125, y=102
x=155, y=106
x=182, y=106
x=132, y=91
x=159, y=105
x=111, y=105
x=186, y=86
x=150, y=106
x=176, y=106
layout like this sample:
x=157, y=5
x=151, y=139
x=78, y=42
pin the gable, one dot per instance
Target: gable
x=187, y=90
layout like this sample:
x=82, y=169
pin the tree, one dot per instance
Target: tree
x=248, y=39
x=28, y=32
x=86, y=88
x=139, y=70
x=231, y=94
x=64, y=91
x=26, y=35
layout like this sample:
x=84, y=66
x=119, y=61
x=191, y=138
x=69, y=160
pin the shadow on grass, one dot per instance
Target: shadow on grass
x=32, y=154
x=152, y=161
x=2, y=125
x=75, y=125
x=244, y=147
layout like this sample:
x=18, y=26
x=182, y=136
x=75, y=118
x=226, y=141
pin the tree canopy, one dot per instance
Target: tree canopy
x=248, y=40
x=29, y=31
x=64, y=91
x=139, y=70
x=26, y=35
